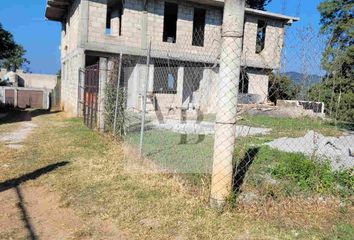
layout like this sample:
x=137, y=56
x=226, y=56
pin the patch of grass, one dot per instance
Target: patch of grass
x=295, y=172
x=177, y=152
x=306, y=174
x=342, y=232
x=289, y=174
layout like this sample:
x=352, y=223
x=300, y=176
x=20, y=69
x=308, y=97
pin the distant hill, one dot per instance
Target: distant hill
x=307, y=80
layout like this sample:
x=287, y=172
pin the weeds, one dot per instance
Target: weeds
x=296, y=174
x=309, y=175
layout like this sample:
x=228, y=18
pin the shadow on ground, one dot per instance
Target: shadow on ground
x=16, y=182
x=13, y=116
x=241, y=169
x=30, y=176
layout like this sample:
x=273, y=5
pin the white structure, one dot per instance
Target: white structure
x=29, y=80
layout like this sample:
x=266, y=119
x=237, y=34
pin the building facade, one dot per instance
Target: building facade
x=188, y=32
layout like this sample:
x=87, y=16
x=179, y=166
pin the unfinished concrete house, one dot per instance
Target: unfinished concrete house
x=183, y=34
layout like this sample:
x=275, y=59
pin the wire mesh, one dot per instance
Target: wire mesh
x=287, y=131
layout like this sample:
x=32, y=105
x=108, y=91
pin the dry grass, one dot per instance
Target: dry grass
x=154, y=206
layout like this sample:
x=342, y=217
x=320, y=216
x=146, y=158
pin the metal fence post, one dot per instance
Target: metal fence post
x=227, y=93
x=144, y=96
x=117, y=95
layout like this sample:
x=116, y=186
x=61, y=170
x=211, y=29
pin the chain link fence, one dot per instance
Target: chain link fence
x=246, y=125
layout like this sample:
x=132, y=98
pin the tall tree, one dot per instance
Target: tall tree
x=11, y=53
x=7, y=43
x=257, y=4
x=336, y=89
x=16, y=60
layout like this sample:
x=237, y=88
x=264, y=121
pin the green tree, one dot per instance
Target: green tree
x=16, y=60
x=336, y=89
x=11, y=53
x=257, y=4
x=282, y=88
x=7, y=43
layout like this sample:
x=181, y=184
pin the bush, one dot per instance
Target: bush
x=282, y=88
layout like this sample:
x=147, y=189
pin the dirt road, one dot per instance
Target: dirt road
x=28, y=211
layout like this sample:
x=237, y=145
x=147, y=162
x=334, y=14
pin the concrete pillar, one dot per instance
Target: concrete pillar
x=103, y=73
x=150, y=88
x=227, y=91
x=180, y=80
x=81, y=91
x=144, y=26
x=63, y=85
x=115, y=22
x=133, y=86
x=83, y=22
x=258, y=84
x=80, y=61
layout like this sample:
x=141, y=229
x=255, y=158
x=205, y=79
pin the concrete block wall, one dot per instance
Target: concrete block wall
x=133, y=32
x=70, y=82
x=185, y=29
x=70, y=30
x=131, y=24
x=258, y=83
x=132, y=27
x=38, y=80
x=270, y=57
x=32, y=80
x=201, y=95
x=134, y=78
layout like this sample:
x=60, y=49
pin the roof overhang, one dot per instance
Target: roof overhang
x=276, y=16
x=250, y=11
x=57, y=9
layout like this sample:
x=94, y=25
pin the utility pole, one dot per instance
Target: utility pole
x=227, y=93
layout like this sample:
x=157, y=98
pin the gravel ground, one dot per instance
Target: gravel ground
x=205, y=128
x=336, y=150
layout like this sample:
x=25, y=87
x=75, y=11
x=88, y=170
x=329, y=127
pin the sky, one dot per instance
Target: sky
x=41, y=38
